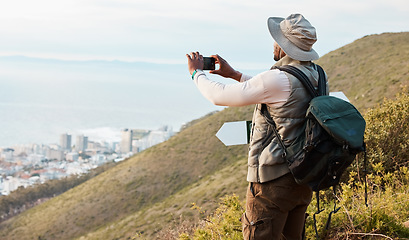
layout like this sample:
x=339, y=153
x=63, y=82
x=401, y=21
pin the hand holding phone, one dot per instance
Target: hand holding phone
x=225, y=70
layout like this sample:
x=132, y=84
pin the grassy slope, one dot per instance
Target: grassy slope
x=164, y=217
x=147, y=191
x=370, y=68
x=145, y=179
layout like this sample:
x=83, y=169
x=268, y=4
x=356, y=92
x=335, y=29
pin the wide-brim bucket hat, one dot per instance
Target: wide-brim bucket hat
x=295, y=35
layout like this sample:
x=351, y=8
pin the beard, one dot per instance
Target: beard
x=277, y=54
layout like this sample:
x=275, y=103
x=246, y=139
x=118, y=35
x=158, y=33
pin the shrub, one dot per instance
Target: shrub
x=387, y=133
x=388, y=209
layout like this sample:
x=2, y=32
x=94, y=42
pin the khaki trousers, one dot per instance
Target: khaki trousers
x=276, y=210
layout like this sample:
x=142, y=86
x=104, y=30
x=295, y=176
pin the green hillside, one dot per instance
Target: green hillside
x=370, y=68
x=148, y=192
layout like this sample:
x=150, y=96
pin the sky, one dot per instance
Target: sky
x=163, y=31
x=103, y=46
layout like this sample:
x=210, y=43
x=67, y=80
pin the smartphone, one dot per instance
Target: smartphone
x=209, y=63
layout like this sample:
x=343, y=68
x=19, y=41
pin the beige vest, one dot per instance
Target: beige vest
x=266, y=162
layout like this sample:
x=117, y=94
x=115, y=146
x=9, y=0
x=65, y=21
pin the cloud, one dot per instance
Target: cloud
x=163, y=31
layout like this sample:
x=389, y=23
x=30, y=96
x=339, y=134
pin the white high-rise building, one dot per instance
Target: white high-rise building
x=82, y=143
x=65, y=141
x=126, y=141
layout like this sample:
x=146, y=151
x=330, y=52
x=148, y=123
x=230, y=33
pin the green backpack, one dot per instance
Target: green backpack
x=334, y=135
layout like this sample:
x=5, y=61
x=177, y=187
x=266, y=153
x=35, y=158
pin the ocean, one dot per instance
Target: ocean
x=24, y=123
x=41, y=99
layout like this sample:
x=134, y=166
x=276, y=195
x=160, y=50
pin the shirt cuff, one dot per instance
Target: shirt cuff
x=198, y=73
x=245, y=77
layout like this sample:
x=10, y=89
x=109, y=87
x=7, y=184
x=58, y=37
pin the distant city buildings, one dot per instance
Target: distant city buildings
x=65, y=142
x=81, y=143
x=126, y=141
x=55, y=154
x=24, y=165
x=7, y=154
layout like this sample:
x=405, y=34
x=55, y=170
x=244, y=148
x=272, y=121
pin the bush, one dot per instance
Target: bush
x=387, y=133
x=388, y=209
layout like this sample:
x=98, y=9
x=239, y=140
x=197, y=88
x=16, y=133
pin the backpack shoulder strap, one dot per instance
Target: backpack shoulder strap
x=301, y=76
x=322, y=83
x=322, y=90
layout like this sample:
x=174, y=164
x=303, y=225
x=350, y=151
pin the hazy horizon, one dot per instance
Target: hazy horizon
x=52, y=97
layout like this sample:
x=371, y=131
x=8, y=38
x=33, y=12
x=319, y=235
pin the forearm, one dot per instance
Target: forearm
x=227, y=94
x=236, y=75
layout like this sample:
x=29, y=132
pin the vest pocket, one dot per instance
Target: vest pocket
x=272, y=154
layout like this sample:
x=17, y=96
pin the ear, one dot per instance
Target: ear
x=282, y=53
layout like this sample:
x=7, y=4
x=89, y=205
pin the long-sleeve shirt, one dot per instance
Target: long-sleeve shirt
x=270, y=87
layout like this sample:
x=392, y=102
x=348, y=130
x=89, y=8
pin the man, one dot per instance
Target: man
x=276, y=204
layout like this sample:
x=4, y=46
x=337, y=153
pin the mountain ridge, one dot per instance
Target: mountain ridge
x=359, y=68
x=23, y=58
